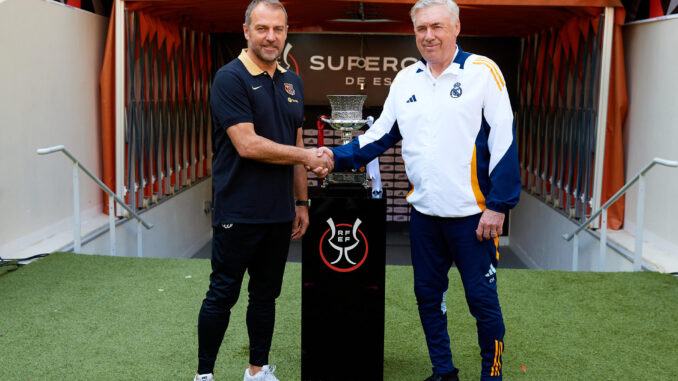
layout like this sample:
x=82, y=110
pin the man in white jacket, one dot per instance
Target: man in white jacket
x=452, y=112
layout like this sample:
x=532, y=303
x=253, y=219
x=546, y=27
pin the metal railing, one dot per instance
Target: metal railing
x=638, y=251
x=112, y=198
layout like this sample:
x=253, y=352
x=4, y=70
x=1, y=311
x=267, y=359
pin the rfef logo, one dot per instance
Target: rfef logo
x=343, y=247
x=287, y=57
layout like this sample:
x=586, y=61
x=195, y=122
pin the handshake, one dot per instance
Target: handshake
x=319, y=160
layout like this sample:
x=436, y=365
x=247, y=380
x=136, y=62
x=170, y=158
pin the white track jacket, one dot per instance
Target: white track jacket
x=458, y=139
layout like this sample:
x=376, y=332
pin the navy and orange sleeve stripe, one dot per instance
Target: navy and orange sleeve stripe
x=498, y=166
x=499, y=189
x=505, y=179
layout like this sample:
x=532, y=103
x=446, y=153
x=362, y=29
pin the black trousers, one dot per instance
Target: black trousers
x=261, y=249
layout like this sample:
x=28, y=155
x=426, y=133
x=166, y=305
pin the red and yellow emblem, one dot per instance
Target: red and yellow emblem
x=289, y=88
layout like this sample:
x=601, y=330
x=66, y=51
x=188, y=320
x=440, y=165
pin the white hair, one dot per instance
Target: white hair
x=450, y=5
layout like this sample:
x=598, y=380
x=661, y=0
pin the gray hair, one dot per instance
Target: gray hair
x=450, y=5
x=254, y=3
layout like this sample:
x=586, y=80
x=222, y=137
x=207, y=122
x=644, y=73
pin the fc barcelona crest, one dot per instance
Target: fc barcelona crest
x=289, y=88
x=456, y=90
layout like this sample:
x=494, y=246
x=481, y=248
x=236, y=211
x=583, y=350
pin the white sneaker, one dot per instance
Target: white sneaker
x=204, y=377
x=265, y=374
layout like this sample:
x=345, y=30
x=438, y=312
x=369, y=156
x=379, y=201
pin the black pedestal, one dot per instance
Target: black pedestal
x=343, y=266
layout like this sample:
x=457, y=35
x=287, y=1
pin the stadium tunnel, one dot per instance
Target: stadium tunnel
x=560, y=59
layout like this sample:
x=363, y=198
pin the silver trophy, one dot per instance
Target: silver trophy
x=347, y=113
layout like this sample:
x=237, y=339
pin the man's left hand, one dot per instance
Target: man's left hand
x=300, y=222
x=490, y=225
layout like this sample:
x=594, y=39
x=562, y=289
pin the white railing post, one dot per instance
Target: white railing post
x=603, y=240
x=111, y=223
x=638, y=255
x=139, y=243
x=76, y=210
x=575, y=253
x=111, y=202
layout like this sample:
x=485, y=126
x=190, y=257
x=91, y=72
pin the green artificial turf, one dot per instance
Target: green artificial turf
x=81, y=317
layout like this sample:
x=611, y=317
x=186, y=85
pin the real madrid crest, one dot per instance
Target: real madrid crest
x=456, y=90
x=289, y=88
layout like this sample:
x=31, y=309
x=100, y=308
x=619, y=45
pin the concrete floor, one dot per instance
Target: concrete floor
x=397, y=251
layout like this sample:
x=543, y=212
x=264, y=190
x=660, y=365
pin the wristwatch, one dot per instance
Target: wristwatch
x=306, y=203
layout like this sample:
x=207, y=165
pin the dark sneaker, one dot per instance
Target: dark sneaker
x=452, y=376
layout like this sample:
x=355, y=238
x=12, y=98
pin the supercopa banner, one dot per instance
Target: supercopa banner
x=347, y=64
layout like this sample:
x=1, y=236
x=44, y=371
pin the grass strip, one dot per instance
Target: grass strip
x=80, y=317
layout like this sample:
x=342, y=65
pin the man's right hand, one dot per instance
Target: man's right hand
x=320, y=161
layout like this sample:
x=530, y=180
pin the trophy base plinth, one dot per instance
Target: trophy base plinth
x=341, y=190
x=346, y=178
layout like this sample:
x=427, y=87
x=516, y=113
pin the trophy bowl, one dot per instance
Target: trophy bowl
x=347, y=107
x=347, y=116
